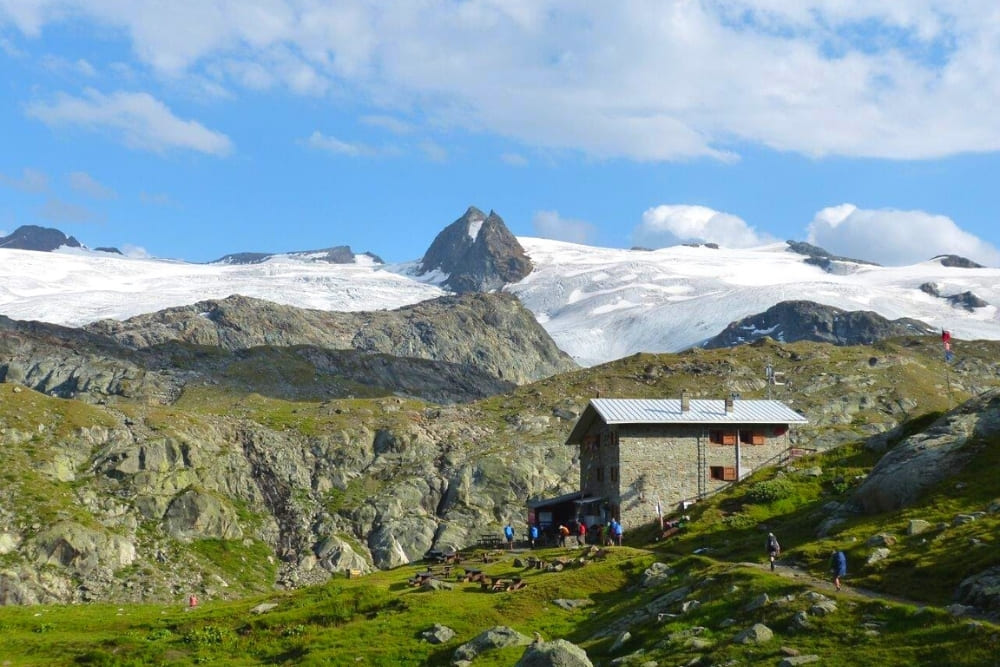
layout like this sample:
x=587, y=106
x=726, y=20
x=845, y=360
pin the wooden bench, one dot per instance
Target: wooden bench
x=472, y=575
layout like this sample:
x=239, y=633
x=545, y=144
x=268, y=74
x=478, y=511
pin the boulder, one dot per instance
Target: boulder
x=496, y=637
x=81, y=549
x=620, y=641
x=823, y=608
x=556, y=653
x=437, y=634
x=655, y=574
x=981, y=590
x=570, y=605
x=194, y=514
x=793, y=660
x=758, y=633
x=877, y=555
x=931, y=456
x=917, y=526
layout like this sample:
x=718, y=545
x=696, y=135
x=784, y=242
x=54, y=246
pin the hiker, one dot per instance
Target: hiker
x=773, y=548
x=581, y=536
x=508, y=532
x=563, y=534
x=533, y=534
x=838, y=567
x=617, y=531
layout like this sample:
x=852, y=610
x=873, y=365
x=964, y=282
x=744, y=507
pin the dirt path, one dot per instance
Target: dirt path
x=846, y=590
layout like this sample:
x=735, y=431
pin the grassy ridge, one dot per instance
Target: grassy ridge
x=376, y=620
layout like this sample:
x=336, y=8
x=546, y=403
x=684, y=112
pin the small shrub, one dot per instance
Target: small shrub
x=205, y=636
x=739, y=521
x=770, y=490
x=294, y=631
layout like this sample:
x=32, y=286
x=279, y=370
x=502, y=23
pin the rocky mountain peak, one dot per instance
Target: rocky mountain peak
x=957, y=261
x=478, y=254
x=33, y=237
x=791, y=321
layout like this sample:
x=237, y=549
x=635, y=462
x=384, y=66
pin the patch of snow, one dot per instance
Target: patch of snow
x=473, y=230
x=598, y=304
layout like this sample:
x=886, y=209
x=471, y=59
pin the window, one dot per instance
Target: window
x=600, y=474
x=752, y=437
x=720, y=437
x=614, y=474
x=722, y=473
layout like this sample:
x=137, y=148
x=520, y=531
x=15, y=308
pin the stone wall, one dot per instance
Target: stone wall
x=633, y=466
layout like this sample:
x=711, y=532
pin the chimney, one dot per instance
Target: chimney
x=730, y=400
x=685, y=401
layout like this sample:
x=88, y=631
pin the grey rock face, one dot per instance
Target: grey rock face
x=341, y=254
x=926, y=458
x=492, y=333
x=478, y=253
x=33, y=237
x=556, y=653
x=957, y=261
x=791, y=321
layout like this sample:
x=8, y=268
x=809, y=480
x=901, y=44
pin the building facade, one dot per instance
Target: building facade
x=641, y=457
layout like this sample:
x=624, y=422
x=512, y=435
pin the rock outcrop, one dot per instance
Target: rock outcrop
x=493, y=333
x=791, y=321
x=957, y=261
x=33, y=237
x=930, y=456
x=477, y=253
x=340, y=254
x=825, y=260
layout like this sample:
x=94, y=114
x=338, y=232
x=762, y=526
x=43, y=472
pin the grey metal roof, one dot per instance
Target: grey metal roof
x=702, y=411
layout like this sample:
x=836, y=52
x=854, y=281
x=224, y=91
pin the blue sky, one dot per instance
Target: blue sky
x=195, y=129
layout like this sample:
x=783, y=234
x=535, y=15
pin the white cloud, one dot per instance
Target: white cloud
x=155, y=198
x=893, y=237
x=514, y=159
x=324, y=142
x=138, y=119
x=31, y=180
x=58, y=211
x=83, y=182
x=643, y=79
x=434, y=151
x=550, y=225
x=79, y=67
x=391, y=123
x=135, y=251
x=665, y=225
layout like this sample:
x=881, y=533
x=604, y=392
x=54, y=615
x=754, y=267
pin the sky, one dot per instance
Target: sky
x=191, y=129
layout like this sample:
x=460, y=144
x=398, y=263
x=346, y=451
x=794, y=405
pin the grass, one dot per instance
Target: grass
x=376, y=620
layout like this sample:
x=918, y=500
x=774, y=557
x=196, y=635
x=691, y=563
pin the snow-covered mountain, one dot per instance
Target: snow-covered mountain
x=598, y=304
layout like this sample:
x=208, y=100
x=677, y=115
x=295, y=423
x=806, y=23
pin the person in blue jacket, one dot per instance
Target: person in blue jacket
x=838, y=567
x=508, y=532
x=533, y=534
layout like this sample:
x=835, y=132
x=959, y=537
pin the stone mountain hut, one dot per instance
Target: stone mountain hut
x=639, y=457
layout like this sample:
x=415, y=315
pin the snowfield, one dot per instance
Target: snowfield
x=598, y=304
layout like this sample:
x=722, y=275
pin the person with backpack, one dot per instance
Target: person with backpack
x=533, y=534
x=508, y=532
x=838, y=567
x=617, y=531
x=773, y=548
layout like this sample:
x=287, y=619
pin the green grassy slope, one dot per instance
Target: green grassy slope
x=891, y=613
